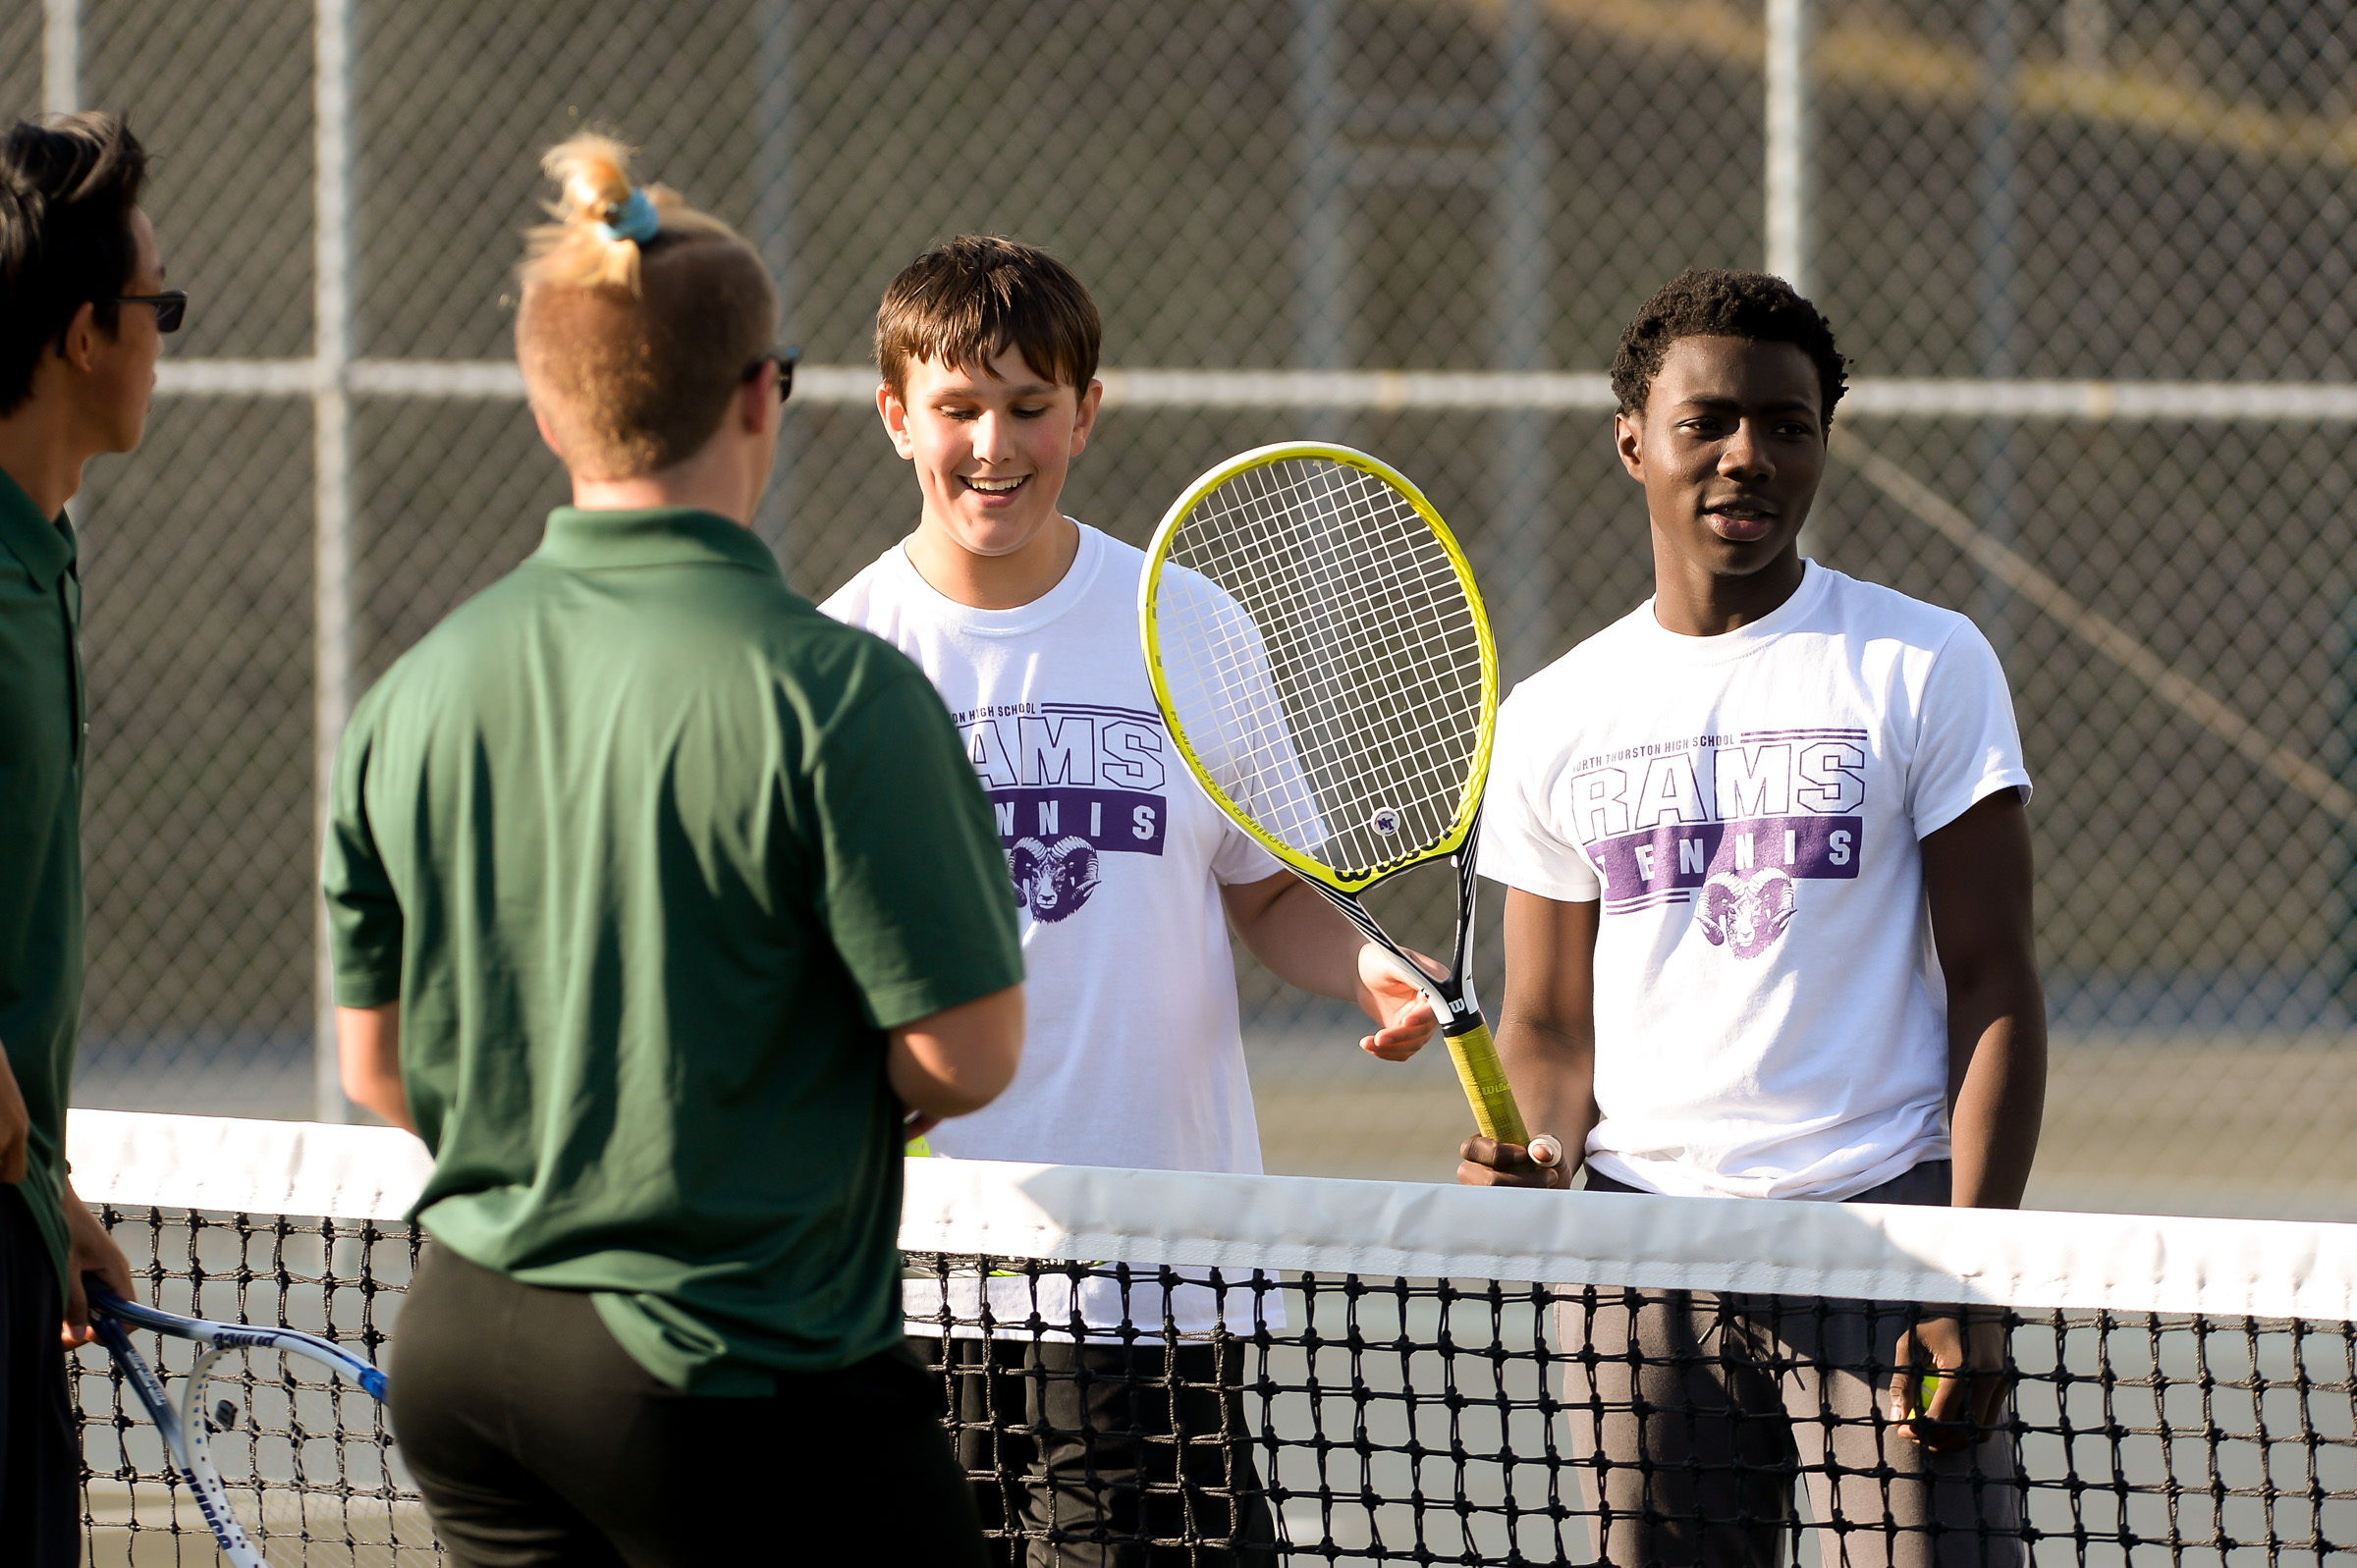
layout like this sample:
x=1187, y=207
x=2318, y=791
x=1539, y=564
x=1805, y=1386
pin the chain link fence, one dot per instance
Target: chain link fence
x=2092, y=261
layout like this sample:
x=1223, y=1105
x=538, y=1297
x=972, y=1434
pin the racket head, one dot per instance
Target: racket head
x=183, y=1429
x=1319, y=649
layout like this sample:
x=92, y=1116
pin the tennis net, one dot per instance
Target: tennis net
x=1372, y=1372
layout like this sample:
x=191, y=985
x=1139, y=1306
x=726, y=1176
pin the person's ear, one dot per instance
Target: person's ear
x=1629, y=440
x=77, y=345
x=894, y=414
x=757, y=402
x=1084, y=419
x=548, y=435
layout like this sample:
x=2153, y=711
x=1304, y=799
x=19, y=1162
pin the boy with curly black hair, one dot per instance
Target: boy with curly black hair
x=1768, y=934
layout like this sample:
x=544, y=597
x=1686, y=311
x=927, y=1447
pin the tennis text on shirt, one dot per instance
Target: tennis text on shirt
x=1727, y=823
x=1069, y=783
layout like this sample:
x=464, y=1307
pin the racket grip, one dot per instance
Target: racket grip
x=1484, y=1077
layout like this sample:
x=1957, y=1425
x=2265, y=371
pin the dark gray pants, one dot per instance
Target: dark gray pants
x=1693, y=1413
x=1108, y=1456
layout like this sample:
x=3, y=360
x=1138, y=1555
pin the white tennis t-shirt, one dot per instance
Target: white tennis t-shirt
x=1771, y=1021
x=1133, y=1055
x=1133, y=1052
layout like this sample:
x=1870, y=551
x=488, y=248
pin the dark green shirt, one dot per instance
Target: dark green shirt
x=42, y=725
x=652, y=854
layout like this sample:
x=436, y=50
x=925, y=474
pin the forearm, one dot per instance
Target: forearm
x=1552, y=1068
x=1302, y=939
x=89, y=1249
x=369, y=1051
x=1546, y=1039
x=1977, y=881
x=959, y=1060
x=1996, y=1050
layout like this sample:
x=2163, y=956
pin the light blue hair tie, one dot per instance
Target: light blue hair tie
x=633, y=219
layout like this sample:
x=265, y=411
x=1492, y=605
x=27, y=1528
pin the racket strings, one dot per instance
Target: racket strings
x=1383, y=675
x=1340, y=664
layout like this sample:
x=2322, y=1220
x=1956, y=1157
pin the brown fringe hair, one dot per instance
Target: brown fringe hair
x=964, y=303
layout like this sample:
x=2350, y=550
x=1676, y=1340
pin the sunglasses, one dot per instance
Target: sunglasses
x=783, y=358
x=171, y=306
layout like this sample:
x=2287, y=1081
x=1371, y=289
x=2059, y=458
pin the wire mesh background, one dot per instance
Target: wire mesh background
x=2001, y=188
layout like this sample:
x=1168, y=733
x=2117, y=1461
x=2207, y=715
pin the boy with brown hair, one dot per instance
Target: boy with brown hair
x=661, y=905
x=1126, y=875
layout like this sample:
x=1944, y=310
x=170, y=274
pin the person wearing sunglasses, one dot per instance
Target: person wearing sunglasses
x=83, y=311
x=736, y=910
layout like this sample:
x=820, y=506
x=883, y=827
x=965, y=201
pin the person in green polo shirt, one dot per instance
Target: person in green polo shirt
x=82, y=312
x=664, y=908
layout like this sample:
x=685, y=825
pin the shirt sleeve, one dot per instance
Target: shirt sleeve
x=1240, y=858
x=1519, y=844
x=915, y=892
x=364, y=914
x=1967, y=746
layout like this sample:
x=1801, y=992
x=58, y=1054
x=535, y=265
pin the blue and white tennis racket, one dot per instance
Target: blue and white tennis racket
x=187, y=1430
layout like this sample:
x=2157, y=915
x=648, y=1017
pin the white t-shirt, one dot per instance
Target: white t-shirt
x=1132, y=1053
x=1771, y=1020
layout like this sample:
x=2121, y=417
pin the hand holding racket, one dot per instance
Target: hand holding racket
x=187, y=1430
x=1319, y=650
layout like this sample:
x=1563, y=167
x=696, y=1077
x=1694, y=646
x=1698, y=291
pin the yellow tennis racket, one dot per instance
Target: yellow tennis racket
x=1320, y=653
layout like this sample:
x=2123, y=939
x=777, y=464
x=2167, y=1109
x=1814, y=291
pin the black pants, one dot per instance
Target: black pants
x=40, y=1452
x=536, y=1439
x=1108, y=1456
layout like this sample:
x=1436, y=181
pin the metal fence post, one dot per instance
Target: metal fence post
x=773, y=227
x=1789, y=194
x=1525, y=479
x=331, y=548
x=1791, y=154
x=1325, y=305
x=61, y=56
x=1996, y=326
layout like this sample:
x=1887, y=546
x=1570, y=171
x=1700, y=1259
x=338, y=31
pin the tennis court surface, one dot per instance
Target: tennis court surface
x=2186, y=1388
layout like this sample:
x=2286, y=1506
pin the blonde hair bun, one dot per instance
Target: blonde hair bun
x=601, y=219
x=637, y=316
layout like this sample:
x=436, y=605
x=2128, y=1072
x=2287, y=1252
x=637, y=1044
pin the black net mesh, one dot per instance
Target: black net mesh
x=1353, y=1418
x=307, y=1460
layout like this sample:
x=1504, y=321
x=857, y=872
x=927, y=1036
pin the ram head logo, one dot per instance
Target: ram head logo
x=1054, y=880
x=1746, y=914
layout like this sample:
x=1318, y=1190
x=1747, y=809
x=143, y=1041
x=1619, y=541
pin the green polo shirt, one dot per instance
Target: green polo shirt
x=652, y=854
x=42, y=726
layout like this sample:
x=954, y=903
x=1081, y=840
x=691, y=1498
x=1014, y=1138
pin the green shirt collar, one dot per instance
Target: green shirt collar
x=43, y=546
x=650, y=536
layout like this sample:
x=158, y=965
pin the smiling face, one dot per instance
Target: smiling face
x=1730, y=447
x=991, y=446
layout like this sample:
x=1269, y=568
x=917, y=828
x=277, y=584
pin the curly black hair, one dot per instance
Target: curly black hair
x=1752, y=305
